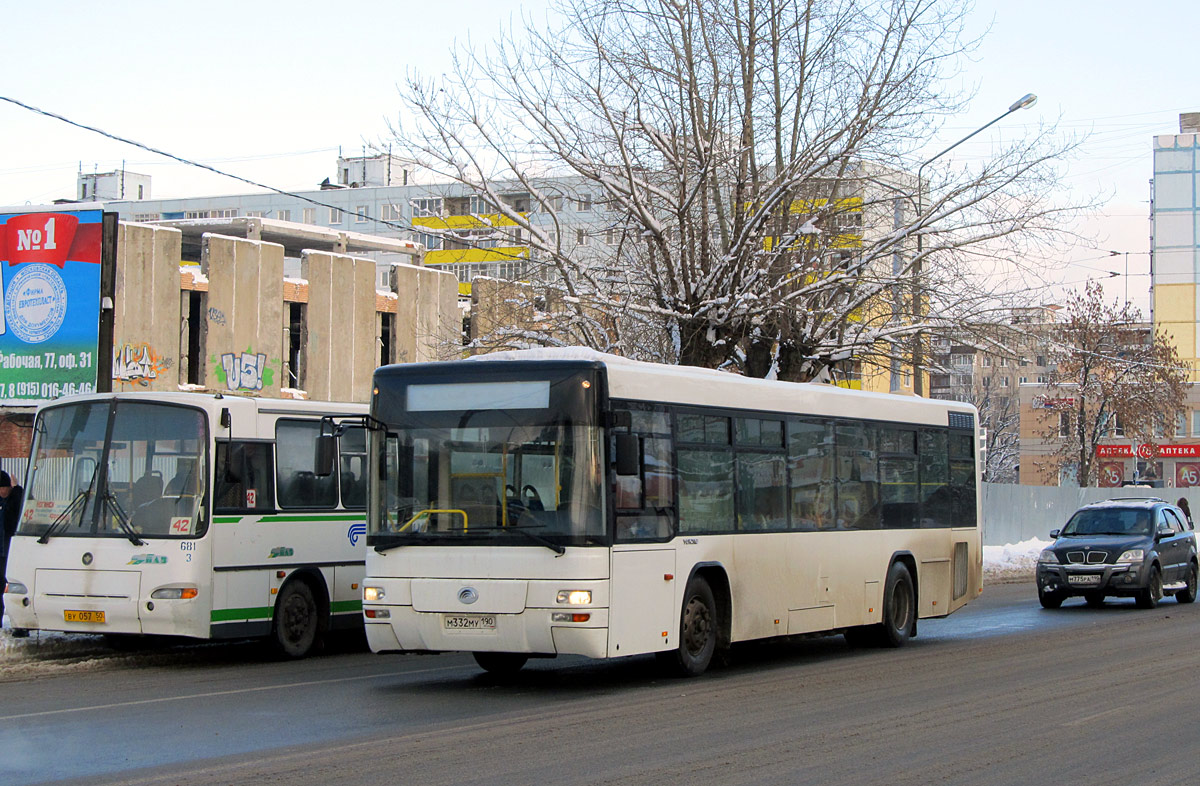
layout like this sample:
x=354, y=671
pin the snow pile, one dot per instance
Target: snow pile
x=1012, y=561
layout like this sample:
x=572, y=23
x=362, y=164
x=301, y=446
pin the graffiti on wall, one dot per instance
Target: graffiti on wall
x=245, y=371
x=138, y=364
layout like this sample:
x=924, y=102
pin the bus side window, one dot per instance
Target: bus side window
x=299, y=485
x=353, y=451
x=243, y=477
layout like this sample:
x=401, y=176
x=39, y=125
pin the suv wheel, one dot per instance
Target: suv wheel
x=1149, y=597
x=1188, y=594
x=1049, y=600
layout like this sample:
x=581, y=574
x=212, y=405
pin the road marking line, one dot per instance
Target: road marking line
x=306, y=683
x=1090, y=718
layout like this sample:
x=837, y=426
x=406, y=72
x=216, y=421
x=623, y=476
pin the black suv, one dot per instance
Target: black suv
x=1140, y=548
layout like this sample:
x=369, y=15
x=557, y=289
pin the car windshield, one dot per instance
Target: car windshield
x=1109, y=521
x=117, y=468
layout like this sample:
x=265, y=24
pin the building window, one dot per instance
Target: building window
x=431, y=242
x=1022, y=380
x=309, y=215
x=146, y=216
x=1064, y=424
x=140, y=191
x=960, y=360
x=477, y=205
x=1003, y=362
x=987, y=361
x=283, y=215
x=389, y=212
x=580, y=237
x=362, y=214
x=1004, y=382
x=335, y=215
x=583, y=204
x=254, y=214
x=427, y=207
x=611, y=236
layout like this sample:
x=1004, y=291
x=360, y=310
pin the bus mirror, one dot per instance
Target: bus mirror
x=629, y=454
x=326, y=451
x=620, y=418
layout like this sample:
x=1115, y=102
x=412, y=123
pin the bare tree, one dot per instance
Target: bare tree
x=752, y=156
x=1114, y=374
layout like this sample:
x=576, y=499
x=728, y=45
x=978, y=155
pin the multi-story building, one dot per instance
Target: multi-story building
x=1175, y=238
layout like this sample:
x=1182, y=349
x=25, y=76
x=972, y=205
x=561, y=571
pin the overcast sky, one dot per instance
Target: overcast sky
x=270, y=91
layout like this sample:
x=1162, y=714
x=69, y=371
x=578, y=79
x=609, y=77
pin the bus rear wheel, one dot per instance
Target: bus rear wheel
x=697, y=631
x=899, y=607
x=296, y=620
x=500, y=662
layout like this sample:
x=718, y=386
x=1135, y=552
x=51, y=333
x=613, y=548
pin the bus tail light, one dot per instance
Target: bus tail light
x=563, y=616
x=15, y=588
x=175, y=593
x=377, y=614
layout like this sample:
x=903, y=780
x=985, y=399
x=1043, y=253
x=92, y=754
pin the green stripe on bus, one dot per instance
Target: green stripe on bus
x=226, y=519
x=230, y=615
x=341, y=606
x=275, y=519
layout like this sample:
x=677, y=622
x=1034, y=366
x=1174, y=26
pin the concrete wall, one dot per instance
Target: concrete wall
x=341, y=353
x=428, y=320
x=1012, y=513
x=147, y=317
x=242, y=339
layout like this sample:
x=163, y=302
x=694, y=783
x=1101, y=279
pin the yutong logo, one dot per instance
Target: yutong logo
x=147, y=559
x=468, y=595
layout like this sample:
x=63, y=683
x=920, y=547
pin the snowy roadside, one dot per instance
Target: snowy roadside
x=47, y=654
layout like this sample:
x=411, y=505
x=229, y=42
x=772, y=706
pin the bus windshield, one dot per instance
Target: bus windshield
x=513, y=484
x=117, y=468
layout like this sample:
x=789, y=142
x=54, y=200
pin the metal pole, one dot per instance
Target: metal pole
x=1029, y=99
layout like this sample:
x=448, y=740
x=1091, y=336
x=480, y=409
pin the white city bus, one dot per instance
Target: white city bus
x=555, y=502
x=190, y=514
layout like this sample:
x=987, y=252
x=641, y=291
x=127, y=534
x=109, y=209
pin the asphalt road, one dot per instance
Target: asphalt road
x=1001, y=692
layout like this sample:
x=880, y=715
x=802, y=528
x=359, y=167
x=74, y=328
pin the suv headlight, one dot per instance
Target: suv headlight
x=1047, y=556
x=1133, y=555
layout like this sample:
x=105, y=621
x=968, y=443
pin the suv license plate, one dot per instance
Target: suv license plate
x=71, y=615
x=1084, y=578
x=469, y=621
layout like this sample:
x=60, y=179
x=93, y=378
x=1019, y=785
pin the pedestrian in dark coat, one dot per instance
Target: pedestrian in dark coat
x=10, y=511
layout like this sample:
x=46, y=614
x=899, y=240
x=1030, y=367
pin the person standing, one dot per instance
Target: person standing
x=10, y=511
x=1182, y=504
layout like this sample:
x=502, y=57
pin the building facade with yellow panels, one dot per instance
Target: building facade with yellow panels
x=1175, y=242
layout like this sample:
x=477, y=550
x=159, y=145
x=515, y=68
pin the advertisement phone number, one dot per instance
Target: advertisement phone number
x=45, y=390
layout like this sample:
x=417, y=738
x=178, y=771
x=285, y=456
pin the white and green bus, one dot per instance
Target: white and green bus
x=537, y=503
x=190, y=514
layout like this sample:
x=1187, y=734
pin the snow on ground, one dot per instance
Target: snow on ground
x=47, y=653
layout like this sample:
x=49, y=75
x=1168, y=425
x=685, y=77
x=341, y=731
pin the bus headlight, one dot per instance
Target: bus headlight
x=174, y=593
x=575, y=597
x=1048, y=556
x=15, y=588
x=373, y=594
x=1132, y=556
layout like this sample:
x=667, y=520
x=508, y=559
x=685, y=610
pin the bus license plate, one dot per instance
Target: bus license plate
x=469, y=621
x=70, y=615
x=1084, y=578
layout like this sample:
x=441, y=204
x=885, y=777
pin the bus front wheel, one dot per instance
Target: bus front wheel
x=697, y=631
x=899, y=607
x=296, y=620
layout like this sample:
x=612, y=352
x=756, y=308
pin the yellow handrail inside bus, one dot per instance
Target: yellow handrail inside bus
x=424, y=514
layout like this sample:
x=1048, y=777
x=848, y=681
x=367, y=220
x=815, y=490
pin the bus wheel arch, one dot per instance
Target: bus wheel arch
x=704, y=622
x=301, y=615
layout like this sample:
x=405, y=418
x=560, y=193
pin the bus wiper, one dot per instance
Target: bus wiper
x=122, y=519
x=558, y=549
x=79, y=503
x=397, y=543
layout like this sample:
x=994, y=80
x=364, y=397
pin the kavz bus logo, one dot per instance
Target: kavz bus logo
x=356, y=531
x=147, y=559
x=281, y=551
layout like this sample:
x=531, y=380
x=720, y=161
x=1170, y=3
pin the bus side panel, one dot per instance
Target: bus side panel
x=345, y=603
x=642, y=617
x=241, y=603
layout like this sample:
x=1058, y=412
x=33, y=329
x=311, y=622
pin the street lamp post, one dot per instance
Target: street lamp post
x=1027, y=100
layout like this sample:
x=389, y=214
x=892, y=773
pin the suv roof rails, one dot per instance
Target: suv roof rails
x=1129, y=499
